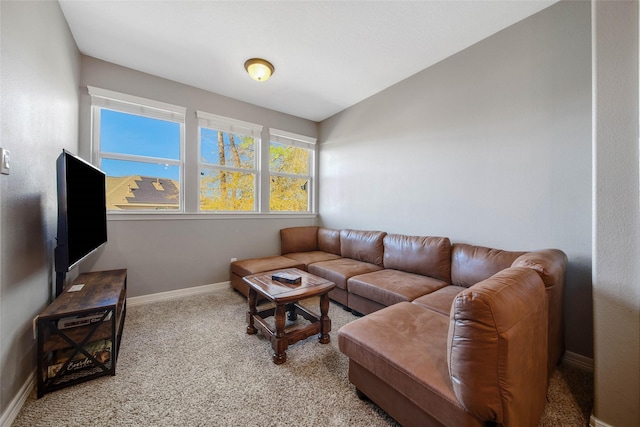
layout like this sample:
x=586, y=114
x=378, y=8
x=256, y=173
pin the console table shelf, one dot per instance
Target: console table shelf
x=79, y=333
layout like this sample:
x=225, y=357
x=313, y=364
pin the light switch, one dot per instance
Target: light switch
x=5, y=161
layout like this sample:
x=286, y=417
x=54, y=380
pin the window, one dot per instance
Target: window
x=139, y=145
x=229, y=170
x=291, y=170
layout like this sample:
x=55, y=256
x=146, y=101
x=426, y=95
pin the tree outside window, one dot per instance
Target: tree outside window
x=291, y=166
x=228, y=164
x=289, y=178
x=227, y=175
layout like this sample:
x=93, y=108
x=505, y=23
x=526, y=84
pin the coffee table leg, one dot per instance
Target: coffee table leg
x=291, y=310
x=280, y=342
x=325, y=322
x=252, y=310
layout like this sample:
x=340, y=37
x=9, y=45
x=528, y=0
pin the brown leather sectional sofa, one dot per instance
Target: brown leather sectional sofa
x=454, y=334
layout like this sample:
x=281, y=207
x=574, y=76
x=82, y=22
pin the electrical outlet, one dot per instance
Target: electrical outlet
x=234, y=259
x=5, y=161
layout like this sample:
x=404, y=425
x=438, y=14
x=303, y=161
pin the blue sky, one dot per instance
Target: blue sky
x=130, y=134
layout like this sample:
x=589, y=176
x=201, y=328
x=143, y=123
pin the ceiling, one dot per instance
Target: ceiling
x=328, y=55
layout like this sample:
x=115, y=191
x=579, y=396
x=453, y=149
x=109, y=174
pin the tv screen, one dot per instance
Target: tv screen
x=82, y=213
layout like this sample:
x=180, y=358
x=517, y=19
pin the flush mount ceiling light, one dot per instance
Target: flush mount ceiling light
x=259, y=69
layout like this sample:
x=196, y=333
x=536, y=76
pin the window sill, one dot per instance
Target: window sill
x=145, y=216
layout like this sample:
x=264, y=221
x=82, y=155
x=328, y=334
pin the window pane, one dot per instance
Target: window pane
x=287, y=159
x=289, y=194
x=226, y=191
x=227, y=149
x=141, y=186
x=143, y=136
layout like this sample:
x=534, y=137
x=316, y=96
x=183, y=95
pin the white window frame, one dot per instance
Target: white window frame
x=300, y=141
x=229, y=125
x=130, y=104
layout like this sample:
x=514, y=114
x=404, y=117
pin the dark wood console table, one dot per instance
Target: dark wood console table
x=79, y=333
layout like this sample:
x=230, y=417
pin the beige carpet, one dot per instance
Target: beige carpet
x=189, y=362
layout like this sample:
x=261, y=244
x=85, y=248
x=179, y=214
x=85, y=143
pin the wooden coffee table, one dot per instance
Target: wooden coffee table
x=285, y=297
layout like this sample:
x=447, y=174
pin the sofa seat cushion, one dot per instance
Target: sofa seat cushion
x=440, y=301
x=311, y=256
x=250, y=266
x=340, y=270
x=405, y=346
x=388, y=287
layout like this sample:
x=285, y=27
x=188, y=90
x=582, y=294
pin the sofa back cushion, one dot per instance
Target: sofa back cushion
x=497, y=348
x=472, y=264
x=298, y=239
x=427, y=256
x=329, y=240
x=550, y=264
x=365, y=246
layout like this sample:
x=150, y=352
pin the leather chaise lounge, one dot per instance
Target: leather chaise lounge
x=453, y=334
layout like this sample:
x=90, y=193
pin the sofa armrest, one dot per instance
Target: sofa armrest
x=497, y=348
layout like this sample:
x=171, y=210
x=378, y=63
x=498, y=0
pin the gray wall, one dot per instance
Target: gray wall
x=491, y=147
x=616, y=219
x=192, y=250
x=39, y=116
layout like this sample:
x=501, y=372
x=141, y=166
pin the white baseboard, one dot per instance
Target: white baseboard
x=18, y=401
x=594, y=422
x=161, y=296
x=577, y=361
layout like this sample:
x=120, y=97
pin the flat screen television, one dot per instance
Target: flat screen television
x=82, y=213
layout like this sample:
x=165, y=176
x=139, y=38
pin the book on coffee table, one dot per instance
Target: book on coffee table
x=289, y=278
